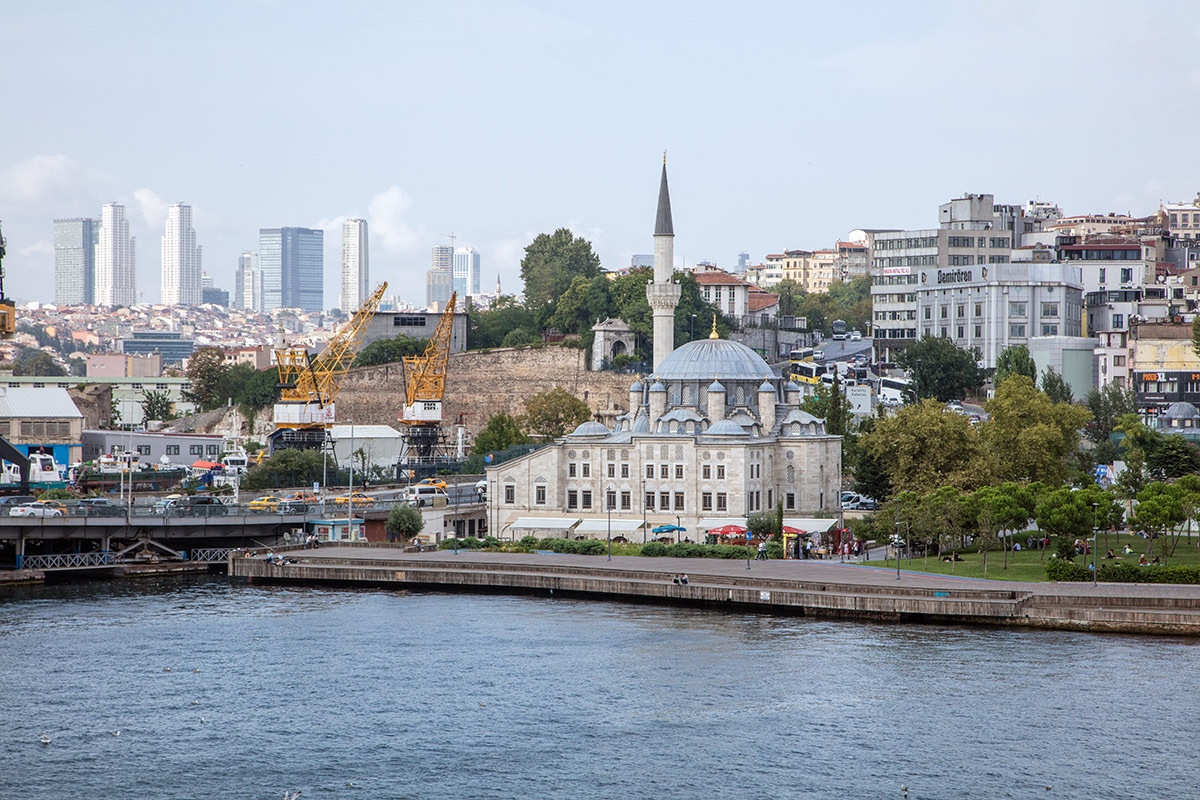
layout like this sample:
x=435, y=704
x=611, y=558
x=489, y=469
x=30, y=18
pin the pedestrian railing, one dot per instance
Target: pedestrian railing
x=67, y=560
x=209, y=554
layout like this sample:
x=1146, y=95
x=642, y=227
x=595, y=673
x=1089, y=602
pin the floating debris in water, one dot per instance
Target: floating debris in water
x=44, y=739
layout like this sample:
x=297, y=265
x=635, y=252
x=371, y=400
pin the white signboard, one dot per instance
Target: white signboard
x=859, y=399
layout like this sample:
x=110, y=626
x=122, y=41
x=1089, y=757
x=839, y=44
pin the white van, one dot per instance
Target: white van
x=426, y=496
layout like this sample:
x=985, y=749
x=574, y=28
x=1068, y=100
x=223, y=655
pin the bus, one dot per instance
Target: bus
x=839, y=330
x=807, y=373
x=796, y=358
x=894, y=391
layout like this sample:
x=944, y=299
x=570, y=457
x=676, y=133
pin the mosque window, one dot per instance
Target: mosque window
x=610, y=499
x=572, y=499
x=571, y=470
x=586, y=469
x=624, y=470
x=706, y=472
x=720, y=472
x=722, y=501
x=664, y=471
x=664, y=501
x=649, y=501
x=791, y=474
x=649, y=470
x=679, y=501
x=510, y=494
x=539, y=495
x=706, y=501
x=612, y=470
x=789, y=501
x=626, y=501
x=585, y=499
x=679, y=472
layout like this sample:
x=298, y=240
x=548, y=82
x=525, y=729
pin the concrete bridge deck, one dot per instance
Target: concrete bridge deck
x=785, y=587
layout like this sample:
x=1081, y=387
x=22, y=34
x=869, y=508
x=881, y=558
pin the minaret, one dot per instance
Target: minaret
x=663, y=293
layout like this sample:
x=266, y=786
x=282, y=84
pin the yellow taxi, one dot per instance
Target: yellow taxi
x=437, y=483
x=267, y=503
x=359, y=500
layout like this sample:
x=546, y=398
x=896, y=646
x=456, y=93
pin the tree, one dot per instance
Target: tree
x=1063, y=513
x=1108, y=405
x=1029, y=437
x=404, y=522
x=37, y=362
x=1056, y=387
x=761, y=524
x=389, y=351
x=923, y=448
x=941, y=369
x=871, y=477
x=1015, y=360
x=206, y=369
x=488, y=328
x=1196, y=334
x=155, y=405
x=835, y=420
x=287, y=468
x=501, y=432
x=552, y=262
x=552, y=414
x=519, y=337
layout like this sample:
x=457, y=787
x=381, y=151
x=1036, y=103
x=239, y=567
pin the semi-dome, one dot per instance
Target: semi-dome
x=725, y=427
x=591, y=428
x=716, y=359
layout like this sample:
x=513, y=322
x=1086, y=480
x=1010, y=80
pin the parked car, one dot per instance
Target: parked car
x=202, y=506
x=425, y=495
x=168, y=502
x=295, y=505
x=99, y=507
x=308, y=498
x=38, y=508
x=266, y=503
x=359, y=500
x=7, y=503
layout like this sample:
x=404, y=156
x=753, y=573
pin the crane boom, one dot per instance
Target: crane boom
x=425, y=374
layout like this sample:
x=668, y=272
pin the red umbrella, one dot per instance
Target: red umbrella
x=791, y=530
x=728, y=530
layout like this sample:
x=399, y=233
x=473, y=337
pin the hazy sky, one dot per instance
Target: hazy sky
x=786, y=124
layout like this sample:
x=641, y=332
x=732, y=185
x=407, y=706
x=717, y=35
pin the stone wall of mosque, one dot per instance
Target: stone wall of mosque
x=482, y=383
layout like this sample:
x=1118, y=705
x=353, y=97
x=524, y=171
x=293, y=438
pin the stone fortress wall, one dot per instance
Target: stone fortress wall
x=482, y=383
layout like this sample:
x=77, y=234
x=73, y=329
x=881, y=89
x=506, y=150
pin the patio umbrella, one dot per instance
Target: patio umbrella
x=728, y=530
x=667, y=529
x=794, y=531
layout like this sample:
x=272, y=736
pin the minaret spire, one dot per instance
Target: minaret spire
x=663, y=292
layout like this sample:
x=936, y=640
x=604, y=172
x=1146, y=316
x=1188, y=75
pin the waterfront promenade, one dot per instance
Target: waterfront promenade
x=816, y=588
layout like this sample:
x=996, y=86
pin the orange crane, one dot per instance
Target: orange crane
x=308, y=386
x=424, y=387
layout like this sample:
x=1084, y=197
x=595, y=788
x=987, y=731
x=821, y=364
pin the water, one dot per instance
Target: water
x=373, y=694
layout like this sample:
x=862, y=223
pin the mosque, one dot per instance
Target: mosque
x=710, y=437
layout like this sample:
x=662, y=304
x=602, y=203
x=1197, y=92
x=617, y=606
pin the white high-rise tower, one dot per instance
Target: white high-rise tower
x=663, y=293
x=181, y=268
x=355, y=274
x=116, y=265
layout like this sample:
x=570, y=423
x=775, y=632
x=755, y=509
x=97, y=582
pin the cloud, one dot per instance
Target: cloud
x=152, y=208
x=387, y=218
x=46, y=179
x=42, y=248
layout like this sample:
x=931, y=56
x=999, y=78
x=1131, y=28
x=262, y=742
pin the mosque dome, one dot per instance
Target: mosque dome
x=725, y=427
x=590, y=428
x=713, y=359
x=1181, y=411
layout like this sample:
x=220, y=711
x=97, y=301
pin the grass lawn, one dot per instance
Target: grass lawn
x=1029, y=565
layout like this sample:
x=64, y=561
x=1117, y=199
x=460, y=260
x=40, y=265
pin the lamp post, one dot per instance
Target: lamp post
x=747, y=531
x=643, y=510
x=1095, y=568
x=608, y=502
x=896, y=540
x=678, y=524
x=692, y=337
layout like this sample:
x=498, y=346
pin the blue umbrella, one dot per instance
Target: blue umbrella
x=667, y=529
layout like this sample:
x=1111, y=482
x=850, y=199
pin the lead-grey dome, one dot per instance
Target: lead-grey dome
x=716, y=359
x=590, y=428
x=1181, y=411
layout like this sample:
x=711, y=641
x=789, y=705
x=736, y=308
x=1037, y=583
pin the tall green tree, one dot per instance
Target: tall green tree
x=1015, y=360
x=501, y=432
x=156, y=405
x=404, y=522
x=389, y=351
x=1056, y=387
x=206, y=370
x=1108, y=405
x=37, y=362
x=552, y=262
x=555, y=413
x=923, y=448
x=940, y=369
x=1029, y=437
x=1064, y=513
x=835, y=421
x=488, y=328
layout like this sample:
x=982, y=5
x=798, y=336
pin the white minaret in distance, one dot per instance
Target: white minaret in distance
x=355, y=274
x=181, y=270
x=663, y=293
x=116, y=267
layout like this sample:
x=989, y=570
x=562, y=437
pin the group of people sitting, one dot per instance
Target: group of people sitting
x=1128, y=551
x=681, y=579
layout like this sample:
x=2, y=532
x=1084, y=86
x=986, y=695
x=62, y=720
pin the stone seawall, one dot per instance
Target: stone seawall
x=482, y=383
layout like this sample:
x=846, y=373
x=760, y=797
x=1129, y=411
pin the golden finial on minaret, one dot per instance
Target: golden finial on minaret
x=714, y=334
x=664, y=158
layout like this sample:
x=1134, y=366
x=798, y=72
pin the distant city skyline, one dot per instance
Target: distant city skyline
x=181, y=259
x=770, y=148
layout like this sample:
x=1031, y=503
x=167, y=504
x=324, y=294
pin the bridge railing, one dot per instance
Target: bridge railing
x=66, y=560
x=209, y=554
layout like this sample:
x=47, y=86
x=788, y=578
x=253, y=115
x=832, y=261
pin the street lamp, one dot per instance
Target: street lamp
x=609, y=502
x=747, y=531
x=692, y=337
x=643, y=510
x=896, y=544
x=1095, y=570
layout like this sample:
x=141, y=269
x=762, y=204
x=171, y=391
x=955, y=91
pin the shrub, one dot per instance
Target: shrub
x=1060, y=569
x=490, y=541
x=471, y=543
x=1133, y=573
x=591, y=547
x=450, y=544
x=774, y=550
x=654, y=549
x=528, y=543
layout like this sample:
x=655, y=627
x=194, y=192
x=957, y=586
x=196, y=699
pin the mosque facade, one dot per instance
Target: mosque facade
x=709, y=438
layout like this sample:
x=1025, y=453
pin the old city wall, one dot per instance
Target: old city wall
x=483, y=383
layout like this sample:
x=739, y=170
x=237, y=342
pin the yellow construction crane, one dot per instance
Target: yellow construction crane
x=308, y=386
x=8, y=309
x=425, y=375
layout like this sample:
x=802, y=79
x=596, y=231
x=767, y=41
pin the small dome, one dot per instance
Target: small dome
x=658, y=387
x=716, y=386
x=792, y=386
x=803, y=417
x=637, y=386
x=641, y=425
x=590, y=428
x=766, y=386
x=725, y=427
x=1181, y=411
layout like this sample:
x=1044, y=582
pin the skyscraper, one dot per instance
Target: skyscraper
x=355, y=271
x=180, y=259
x=116, y=264
x=293, y=265
x=466, y=271
x=75, y=242
x=247, y=286
x=439, y=280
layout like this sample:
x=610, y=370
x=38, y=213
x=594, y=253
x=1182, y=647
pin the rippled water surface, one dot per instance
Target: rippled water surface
x=225, y=690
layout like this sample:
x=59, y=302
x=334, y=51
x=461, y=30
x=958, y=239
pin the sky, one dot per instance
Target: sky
x=786, y=125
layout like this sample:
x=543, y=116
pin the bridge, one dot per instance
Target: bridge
x=139, y=534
